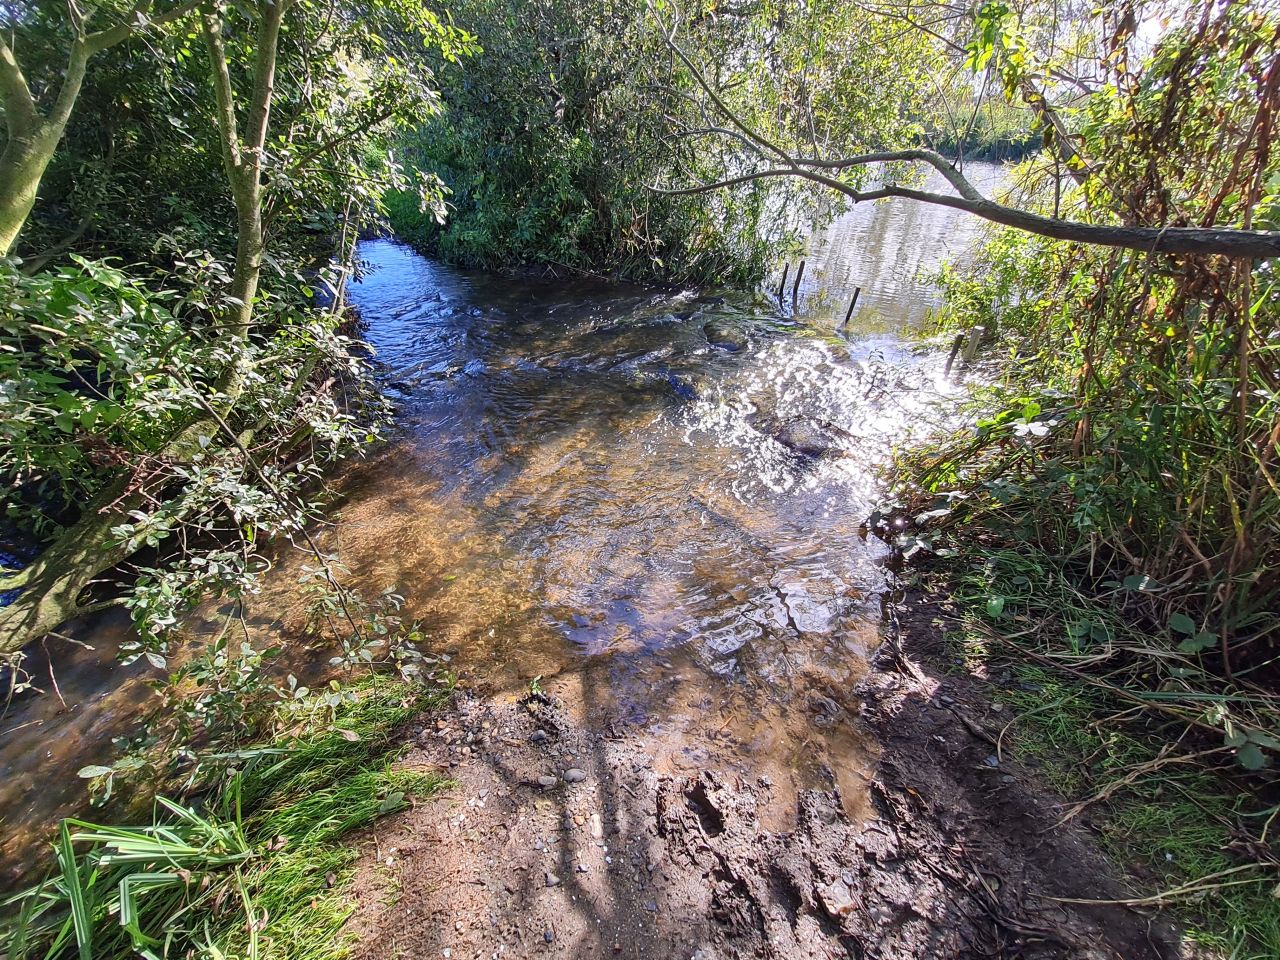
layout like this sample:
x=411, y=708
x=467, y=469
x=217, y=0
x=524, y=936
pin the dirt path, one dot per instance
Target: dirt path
x=565, y=837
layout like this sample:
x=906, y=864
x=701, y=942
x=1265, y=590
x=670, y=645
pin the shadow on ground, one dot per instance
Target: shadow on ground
x=564, y=837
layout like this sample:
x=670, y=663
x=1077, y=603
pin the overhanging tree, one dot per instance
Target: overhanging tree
x=240, y=408
x=35, y=124
x=784, y=145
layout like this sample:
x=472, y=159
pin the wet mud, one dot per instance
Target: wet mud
x=565, y=836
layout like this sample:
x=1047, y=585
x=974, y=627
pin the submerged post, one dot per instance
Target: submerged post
x=795, y=290
x=975, y=339
x=955, y=349
x=857, y=292
x=782, y=286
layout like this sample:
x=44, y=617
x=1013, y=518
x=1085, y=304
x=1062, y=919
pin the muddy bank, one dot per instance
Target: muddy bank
x=566, y=837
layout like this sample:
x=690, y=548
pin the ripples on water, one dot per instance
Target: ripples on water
x=662, y=492
x=651, y=500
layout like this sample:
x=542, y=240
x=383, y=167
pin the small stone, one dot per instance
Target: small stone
x=1007, y=778
x=946, y=701
x=992, y=761
x=574, y=775
x=997, y=708
x=551, y=879
x=548, y=935
x=651, y=906
x=538, y=736
x=547, y=781
x=837, y=899
x=597, y=826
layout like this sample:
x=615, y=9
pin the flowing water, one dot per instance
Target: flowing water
x=651, y=499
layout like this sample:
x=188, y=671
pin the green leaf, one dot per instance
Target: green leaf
x=1140, y=582
x=1251, y=757
x=1198, y=643
x=1181, y=623
x=74, y=884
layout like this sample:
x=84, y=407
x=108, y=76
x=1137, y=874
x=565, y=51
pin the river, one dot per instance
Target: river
x=652, y=496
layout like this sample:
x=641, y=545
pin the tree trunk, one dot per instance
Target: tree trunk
x=22, y=165
x=54, y=582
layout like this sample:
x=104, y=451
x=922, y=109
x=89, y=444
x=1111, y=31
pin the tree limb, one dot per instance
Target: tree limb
x=1252, y=244
x=229, y=141
x=138, y=19
x=19, y=106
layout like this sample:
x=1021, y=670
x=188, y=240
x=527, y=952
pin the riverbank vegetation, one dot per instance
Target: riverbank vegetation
x=548, y=144
x=179, y=179
x=1112, y=522
x=172, y=389
x=250, y=867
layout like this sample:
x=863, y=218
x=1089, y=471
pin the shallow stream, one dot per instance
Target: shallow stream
x=651, y=500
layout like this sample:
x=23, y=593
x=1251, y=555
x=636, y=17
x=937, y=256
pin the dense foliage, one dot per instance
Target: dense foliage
x=1112, y=521
x=173, y=390
x=550, y=141
x=1138, y=439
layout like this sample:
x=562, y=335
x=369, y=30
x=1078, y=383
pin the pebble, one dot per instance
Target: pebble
x=992, y=761
x=574, y=775
x=551, y=879
x=538, y=736
x=837, y=899
x=597, y=826
x=946, y=701
x=548, y=935
x=547, y=781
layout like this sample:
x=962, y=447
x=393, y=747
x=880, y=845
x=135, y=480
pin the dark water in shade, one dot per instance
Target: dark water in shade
x=651, y=500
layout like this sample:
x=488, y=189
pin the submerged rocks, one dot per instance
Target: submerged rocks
x=806, y=438
x=726, y=334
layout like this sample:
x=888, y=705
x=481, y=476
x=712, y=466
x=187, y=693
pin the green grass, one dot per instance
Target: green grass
x=1169, y=826
x=255, y=869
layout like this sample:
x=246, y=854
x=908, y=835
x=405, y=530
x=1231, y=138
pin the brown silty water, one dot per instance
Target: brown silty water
x=650, y=500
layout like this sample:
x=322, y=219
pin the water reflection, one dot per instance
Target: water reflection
x=889, y=249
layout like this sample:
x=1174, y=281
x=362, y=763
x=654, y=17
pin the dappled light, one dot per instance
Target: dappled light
x=666, y=478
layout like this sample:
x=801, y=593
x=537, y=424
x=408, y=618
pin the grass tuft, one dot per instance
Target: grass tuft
x=254, y=870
